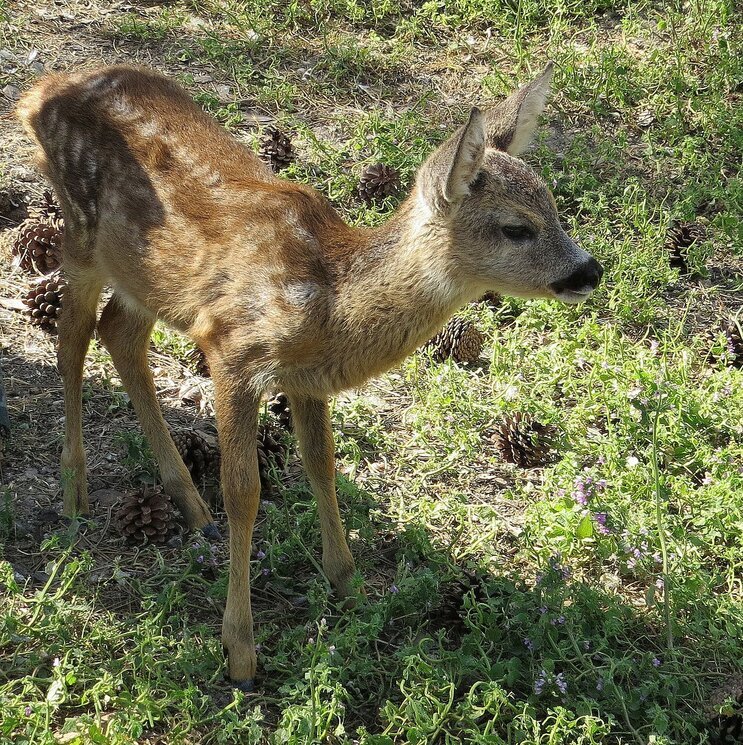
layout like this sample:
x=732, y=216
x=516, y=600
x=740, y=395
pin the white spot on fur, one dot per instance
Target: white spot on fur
x=148, y=128
x=301, y=294
x=292, y=219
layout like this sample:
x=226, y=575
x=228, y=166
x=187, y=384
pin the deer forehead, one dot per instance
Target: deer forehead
x=507, y=184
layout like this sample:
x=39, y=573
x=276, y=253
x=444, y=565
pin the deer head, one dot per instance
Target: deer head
x=500, y=219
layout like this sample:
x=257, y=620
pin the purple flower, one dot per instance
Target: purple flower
x=561, y=683
x=394, y=589
x=600, y=519
x=656, y=662
x=200, y=559
x=265, y=571
x=27, y=711
x=660, y=584
x=529, y=644
x=543, y=609
x=260, y=555
x=580, y=498
x=540, y=682
x=558, y=621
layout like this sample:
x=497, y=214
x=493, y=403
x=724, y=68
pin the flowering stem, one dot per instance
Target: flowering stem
x=661, y=532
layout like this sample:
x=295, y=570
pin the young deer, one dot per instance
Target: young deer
x=185, y=224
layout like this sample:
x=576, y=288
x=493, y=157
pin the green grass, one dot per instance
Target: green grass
x=499, y=608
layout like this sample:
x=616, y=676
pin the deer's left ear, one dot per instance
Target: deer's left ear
x=511, y=124
x=445, y=178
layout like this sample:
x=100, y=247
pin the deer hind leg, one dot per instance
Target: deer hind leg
x=237, y=417
x=125, y=330
x=76, y=324
x=312, y=425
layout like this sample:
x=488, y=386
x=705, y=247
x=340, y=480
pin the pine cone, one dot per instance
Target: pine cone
x=201, y=458
x=724, y=712
x=44, y=301
x=48, y=212
x=377, y=182
x=679, y=238
x=521, y=439
x=279, y=407
x=38, y=247
x=276, y=149
x=196, y=360
x=146, y=516
x=459, y=339
x=272, y=453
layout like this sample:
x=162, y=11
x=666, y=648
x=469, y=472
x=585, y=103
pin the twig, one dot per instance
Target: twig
x=12, y=303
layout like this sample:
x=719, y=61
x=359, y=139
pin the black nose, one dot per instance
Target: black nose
x=587, y=276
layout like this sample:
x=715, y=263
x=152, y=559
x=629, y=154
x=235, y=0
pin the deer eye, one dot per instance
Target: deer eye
x=518, y=232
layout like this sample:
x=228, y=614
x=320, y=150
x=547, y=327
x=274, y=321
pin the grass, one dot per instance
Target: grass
x=595, y=601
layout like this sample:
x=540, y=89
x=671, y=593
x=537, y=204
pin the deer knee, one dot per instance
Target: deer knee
x=241, y=496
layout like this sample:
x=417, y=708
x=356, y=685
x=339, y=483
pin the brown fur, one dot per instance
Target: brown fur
x=187, y=225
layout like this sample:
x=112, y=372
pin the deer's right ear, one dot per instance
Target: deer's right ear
x=445, y=178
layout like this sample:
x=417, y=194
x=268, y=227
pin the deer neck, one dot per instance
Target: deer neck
x=403, y=283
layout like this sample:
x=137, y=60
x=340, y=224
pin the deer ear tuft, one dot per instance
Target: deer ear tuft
x=510, y=125
x=445, y=178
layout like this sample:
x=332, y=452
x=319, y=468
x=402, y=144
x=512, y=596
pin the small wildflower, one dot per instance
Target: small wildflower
x=323, y=622
x=543, y=609
x=56, y=662
x=559, y=621
x=540, y=682
x=561, y=683
x=660, y=584
x=707, y=480
x=200, y=559
x=27, y=711
x=600, y=520
x=632, y=461
x=554, y=180
x=265, y=571
x=394, y=589
x=656, y=662
x=331, y=649
x=529, y=644
x=260, y=555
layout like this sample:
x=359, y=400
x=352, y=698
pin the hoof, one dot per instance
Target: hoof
x=246, y=686
x=211, y=532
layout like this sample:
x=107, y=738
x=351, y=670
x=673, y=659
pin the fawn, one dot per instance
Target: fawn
x=185, y=224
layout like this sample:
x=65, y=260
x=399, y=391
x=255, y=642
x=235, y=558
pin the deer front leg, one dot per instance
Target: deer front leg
x=237, y=419
x=312, y=425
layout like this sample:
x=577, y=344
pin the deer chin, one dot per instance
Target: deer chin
x=573, y=297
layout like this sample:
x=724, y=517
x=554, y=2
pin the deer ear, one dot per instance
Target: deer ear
x=511, y=124
x=446, y=176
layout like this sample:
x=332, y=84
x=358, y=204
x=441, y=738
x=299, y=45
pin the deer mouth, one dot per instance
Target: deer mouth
x=574, y=296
